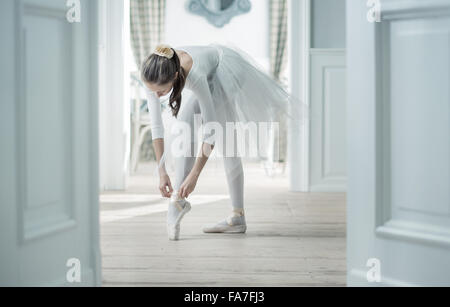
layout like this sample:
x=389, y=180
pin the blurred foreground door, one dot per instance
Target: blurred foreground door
x=399, y=134
x=49, y=232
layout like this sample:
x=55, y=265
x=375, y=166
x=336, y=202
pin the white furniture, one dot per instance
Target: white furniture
x=140, y=121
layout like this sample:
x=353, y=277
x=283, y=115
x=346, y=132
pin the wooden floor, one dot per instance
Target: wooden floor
x=293, y=239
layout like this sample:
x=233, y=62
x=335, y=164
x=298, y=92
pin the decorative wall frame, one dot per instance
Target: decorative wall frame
x=219, y=12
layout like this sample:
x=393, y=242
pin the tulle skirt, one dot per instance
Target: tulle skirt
x=245, y=92
x=250, y=102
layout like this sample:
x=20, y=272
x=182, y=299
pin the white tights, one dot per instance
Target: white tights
x=183, y=165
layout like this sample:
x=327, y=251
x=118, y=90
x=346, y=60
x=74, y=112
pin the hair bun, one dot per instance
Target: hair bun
x=164, y=51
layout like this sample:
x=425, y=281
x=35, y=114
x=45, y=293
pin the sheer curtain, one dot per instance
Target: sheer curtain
x=147, y=26
x=278, y=61
x=278, y=36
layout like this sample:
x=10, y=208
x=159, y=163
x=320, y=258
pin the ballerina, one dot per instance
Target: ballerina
x=228, y=87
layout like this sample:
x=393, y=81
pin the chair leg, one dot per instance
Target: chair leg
x=139, y=143
x=135, y=151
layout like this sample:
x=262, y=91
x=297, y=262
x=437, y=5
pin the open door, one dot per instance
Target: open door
x=49, y=228
x=399, y=134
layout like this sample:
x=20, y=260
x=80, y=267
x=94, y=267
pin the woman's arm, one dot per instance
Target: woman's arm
x=165, y=186
x=207, y=109
x=157, y=127
x=190, y=182
x=158, y=146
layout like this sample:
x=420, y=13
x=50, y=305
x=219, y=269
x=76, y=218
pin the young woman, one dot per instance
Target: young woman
x=228, y=87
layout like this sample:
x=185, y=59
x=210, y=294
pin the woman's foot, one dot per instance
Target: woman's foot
x=177, y=209
x=235, y=223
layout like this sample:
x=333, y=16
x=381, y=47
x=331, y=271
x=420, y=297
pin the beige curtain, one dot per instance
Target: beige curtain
x=147, y=27
x=278, y=36
x=278, y=60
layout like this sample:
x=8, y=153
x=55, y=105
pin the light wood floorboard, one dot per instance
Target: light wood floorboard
x=293, y=239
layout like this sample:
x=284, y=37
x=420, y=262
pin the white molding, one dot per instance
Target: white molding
x=94, y=192
x=20, y=127
x=407, y=9
x=87, y=280
x=305, y=136
x=38, y=254
x=415, y=233
x=324, y=62
x=387, y=226
x=327, y=51
x=39, y=232
x=325, y=152
x=329, y=188
x=358, y=278
x=114, y=96
x=43, y=11
x=31, y=228
x=299, y=147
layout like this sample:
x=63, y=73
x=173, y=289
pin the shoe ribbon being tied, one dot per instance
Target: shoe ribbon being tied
x=236, y=213
x=177, y=204
x=175, y=200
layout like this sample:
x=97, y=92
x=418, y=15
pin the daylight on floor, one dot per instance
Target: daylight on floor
x=205, y=144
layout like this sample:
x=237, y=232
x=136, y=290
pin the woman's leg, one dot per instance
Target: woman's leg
x=235, y=179
x=235, y=223
x=185, y=159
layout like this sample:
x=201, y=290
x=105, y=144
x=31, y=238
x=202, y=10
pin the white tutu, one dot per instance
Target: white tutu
x=244, y=93
x=250, y=94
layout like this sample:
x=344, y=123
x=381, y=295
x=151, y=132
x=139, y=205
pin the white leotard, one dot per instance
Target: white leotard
x=206, y=59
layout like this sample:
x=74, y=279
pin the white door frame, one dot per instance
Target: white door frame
x=95, y=209
x=299, y=140
x=407, y=243
x=38, y=233
x=114, y=102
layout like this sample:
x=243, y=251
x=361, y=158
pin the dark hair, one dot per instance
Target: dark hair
x=161, y=70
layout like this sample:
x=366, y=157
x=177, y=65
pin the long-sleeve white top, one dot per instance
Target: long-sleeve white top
x=206, y=59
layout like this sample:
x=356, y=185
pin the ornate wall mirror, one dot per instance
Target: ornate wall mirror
x=219, y=12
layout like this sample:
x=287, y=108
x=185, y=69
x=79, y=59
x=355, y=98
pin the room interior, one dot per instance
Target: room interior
x=300, y=206
x=358, y=195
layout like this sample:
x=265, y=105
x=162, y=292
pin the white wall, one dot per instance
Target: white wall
x=328, y=163
x=328, y=24
x=114, y=121
x=328, y=169
x=249, y=31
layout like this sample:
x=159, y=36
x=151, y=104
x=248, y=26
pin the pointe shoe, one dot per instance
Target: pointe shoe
x=181, y=207
x=234, y=224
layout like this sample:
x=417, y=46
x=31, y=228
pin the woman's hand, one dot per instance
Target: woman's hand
x=165, y=186
x=188, y=185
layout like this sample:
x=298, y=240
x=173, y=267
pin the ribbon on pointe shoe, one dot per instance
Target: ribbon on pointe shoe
x=236, y=213
x=175, y=200
x=177, y=204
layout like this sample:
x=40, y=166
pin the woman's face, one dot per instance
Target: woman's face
x=161, y=90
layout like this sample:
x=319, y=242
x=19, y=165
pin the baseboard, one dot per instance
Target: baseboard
x=329, y=188
x=87, y=280
x=357, y=278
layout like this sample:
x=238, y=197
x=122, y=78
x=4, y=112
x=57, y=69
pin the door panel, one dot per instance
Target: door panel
x=45, y=110
x=328, y=111
x=419, y=121
x=53, y=104
x=398, y=127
